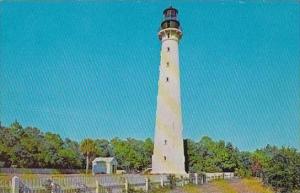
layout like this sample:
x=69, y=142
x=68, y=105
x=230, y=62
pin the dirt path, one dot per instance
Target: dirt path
x=178, y=190
x=240, y=187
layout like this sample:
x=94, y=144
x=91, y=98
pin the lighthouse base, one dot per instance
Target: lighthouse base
x=161, y=166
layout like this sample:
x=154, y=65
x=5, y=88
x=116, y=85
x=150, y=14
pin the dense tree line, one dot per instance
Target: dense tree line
x=278, y=167
x=30, y=148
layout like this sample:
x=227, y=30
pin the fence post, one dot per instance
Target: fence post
x=97, y=186
x=146, y=184
x=161, y=181
x=15, y=184
x=126, y=186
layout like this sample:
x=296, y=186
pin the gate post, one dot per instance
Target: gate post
x=97, y=186
x=196, y=178
x=15, y=184
x=126, y=186
x=146, y=184
x=161, y=181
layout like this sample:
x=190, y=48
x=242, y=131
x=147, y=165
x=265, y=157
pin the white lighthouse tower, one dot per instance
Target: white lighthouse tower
x=168, y=154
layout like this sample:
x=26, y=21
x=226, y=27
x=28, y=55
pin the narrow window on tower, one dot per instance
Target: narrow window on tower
x=168, y=49
x=165, y=158
x=167, y=79
x=165, y=142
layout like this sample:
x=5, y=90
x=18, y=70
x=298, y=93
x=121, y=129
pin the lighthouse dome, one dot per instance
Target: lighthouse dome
x=170, y=18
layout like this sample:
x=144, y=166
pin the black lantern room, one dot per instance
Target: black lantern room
x=170, y=19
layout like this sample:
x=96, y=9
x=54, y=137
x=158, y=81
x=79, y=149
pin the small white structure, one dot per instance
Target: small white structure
x=104, y=165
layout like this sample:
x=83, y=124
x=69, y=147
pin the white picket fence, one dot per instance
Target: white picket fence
x=81, y=183
x=98, y=184
x=220, y=175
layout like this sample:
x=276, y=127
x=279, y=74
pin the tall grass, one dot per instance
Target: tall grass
x=191, y=189
x=256, y=186
x=224, y=186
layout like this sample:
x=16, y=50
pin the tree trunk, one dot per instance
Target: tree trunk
x=87, y=165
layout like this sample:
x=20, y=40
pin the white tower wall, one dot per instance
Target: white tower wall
x=168, y=155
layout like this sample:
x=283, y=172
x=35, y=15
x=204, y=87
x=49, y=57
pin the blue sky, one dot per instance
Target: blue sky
x=90, y=69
